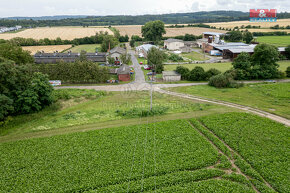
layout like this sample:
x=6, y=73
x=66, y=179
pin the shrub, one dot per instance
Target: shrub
x=288, y=71
x=183, y=71
x=197, y=74
x=212, y=72
x=224, y=81
x=175, y=58
x=142, y=112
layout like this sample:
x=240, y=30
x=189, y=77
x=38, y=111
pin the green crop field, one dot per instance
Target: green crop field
x=87, y=47
x=273, y=98
x=170, y=156
x=220, y=66
x=282, y=41
x=263, y=144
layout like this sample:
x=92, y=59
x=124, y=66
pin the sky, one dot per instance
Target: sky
x=31, y=8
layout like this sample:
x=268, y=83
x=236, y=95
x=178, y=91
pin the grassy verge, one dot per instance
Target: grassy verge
x=80, y=109
x=273, y=98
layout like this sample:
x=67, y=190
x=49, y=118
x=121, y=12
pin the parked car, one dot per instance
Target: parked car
x=141, y=62
x=146, y=67
x=150, y=73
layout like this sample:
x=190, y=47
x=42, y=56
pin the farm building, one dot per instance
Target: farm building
x=144, y=49
x=48, y=58
x=124, y=73
x=212, y=36
x=190, y=44
x=173, y=44
x=186, y=49
x=171, y=76
x=117, y=52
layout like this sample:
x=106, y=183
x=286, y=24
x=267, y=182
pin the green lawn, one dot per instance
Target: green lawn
x=220, y=66
x=273, y=98
x=86, y=47
x=91, y=109
x=194, y=56
x=282, y=41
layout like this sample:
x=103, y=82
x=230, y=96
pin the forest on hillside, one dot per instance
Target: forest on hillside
x=173, y=18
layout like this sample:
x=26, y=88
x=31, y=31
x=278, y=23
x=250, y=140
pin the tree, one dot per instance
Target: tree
x=287, y=52
x=16, y=53
x=155, y=57
x=197, y=74
x=22, y=92
x=110, y=60
x=125, y=58
x=153, y=30
x=264, y=62
x=109, y=41
x=132, y=43
x=234, y=36
x=248, y=37
x=242, y=65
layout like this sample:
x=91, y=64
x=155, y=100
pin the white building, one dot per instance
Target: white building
x=144, y=49
x=173, y=44
x=171, y=76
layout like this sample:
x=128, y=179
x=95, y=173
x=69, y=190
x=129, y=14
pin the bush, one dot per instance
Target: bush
x=183, y=71
x=197, y=74
x=175, y=58
x=288, y=72
x=224, y=81
x=142, y=112
x=212, y=72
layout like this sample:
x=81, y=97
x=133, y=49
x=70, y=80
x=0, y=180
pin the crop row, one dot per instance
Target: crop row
x=91, y=160
x=263, y=143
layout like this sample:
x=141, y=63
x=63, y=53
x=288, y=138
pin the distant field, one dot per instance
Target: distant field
x=65, y=33
x=275, y=40
x=87, y=47
x=170, y=32
x=47, y=49
x=220, y=66
x=280, y=22
x=269, y=30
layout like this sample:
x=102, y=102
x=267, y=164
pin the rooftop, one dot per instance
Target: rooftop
x=170, y=40
x=213, y=33
x=118, y=50
x=170, y=73
x=124, y=69
x=147, y=47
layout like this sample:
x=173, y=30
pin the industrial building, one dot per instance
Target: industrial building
x=52, y=58
x=173, y=44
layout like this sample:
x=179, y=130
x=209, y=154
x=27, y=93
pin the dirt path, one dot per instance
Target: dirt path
x=233, y=105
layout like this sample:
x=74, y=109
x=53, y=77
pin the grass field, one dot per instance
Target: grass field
x=170, y=156
x=221, y=66
x=87, y=47
x=194, y=56
x=46, y=49
x=282, y=41
x=65, y=33
x=273, y=98
x=88, y=107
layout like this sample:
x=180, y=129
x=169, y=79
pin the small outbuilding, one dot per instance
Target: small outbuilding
x=117, y=52
x=186, y=49
x=124, y=73
x=171, y=76
x=173, y=44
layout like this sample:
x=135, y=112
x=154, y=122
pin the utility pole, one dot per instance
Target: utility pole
x=151, y=90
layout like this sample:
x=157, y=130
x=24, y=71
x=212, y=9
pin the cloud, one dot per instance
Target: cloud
x=129, y=7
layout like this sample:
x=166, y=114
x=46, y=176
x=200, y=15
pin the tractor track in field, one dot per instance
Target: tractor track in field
x=228, y=104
